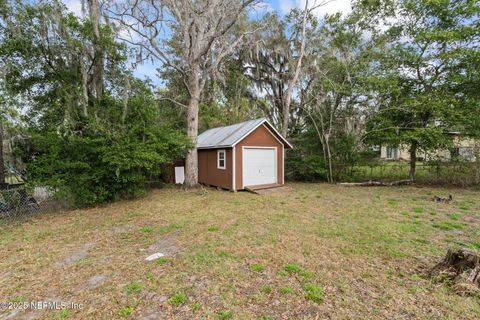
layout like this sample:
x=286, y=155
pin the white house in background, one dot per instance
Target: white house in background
x=465, y=149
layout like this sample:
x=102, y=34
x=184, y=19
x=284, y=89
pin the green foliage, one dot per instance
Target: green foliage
x=475, y=245
x=257, y=267
x=418, y=210
x=93, y=168
x=224, y=315
x=266, y=289
x=162, y=260
x=293, y=268
x=448, y=225
x=212, y=228
x=407, y=83
x=453, y=216
x=226, y=255
x=313, y=292
x=146, y=229
x=126, y=312
x=420, y=97
x=87, y=146
x=196, y=306
x=64, y=314
x=177, y=299
x=133, y=287
x=286, y=290
x=306, y=167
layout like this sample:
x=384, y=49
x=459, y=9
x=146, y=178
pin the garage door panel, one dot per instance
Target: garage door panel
x=259, y=166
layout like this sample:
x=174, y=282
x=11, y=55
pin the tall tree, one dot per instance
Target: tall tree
x=333, y=99
x=91, y=145
x=418, y=99
x=97, y=52
x=190, y=37
x=276, y=63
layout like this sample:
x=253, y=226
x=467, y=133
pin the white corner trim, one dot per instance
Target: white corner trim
x=224, y=159
x=283, y=164
x=234, y=169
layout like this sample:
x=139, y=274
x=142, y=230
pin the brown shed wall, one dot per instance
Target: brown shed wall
x=208, y=172
x=260, y=137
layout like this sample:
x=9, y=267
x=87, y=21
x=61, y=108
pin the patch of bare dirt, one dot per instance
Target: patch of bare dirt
x=93, y=282
x=76, y=255
x=18, y=314
x=166, y=245
x=123, y=229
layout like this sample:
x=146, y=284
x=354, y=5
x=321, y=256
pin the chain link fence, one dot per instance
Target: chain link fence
x=17, y=201
x=458, y=173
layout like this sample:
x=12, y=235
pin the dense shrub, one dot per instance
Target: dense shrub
x=306, y=162
x=105, y=161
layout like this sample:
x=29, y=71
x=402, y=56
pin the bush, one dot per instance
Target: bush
x=306, y=162
x=105, y=160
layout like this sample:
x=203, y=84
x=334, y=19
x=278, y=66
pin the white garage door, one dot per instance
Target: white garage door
x=259, y=166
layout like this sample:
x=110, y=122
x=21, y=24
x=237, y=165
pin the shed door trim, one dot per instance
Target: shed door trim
x=259, y=147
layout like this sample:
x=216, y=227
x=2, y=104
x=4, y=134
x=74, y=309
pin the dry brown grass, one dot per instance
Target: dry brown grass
x=367, y=248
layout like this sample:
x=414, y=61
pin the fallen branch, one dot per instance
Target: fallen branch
x=376, y=183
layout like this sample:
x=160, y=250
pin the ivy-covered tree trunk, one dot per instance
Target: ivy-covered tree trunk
x=413, y=160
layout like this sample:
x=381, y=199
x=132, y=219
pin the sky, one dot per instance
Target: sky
x=282, y=7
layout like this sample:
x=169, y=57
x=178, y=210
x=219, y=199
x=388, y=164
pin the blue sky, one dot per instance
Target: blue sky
x=281, y=6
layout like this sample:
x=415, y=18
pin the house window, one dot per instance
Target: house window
x=221, y=159
x=455, y=154
x=466, y=153
x=392, y=152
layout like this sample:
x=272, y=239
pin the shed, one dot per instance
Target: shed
x=247, y=154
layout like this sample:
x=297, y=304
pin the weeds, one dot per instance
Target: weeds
x=177, y=299
x=224, y=315
x=256, y=267
x=313, y=292
x=126, y=312
x=133, y=287
x=286, y=290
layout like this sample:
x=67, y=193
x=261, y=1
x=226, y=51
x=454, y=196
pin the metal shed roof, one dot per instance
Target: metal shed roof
x=228, y=136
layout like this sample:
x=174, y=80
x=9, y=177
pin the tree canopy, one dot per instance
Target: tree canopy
x=399, y=72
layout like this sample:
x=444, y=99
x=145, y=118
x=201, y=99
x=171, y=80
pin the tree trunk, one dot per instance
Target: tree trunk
x=377, y=183
x=329, y=154
x=98, y=57
x=293, y=81
x=285, y=119
x=191, y=161
x=2, y=165
x=413, y=160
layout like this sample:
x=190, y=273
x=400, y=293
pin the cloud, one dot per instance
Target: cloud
x=74, y=6
x=330, y=7
x=147, y=70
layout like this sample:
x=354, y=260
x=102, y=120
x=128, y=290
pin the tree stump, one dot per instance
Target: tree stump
x=461, y=268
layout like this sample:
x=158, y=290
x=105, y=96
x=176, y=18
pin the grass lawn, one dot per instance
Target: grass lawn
x=319, y=251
